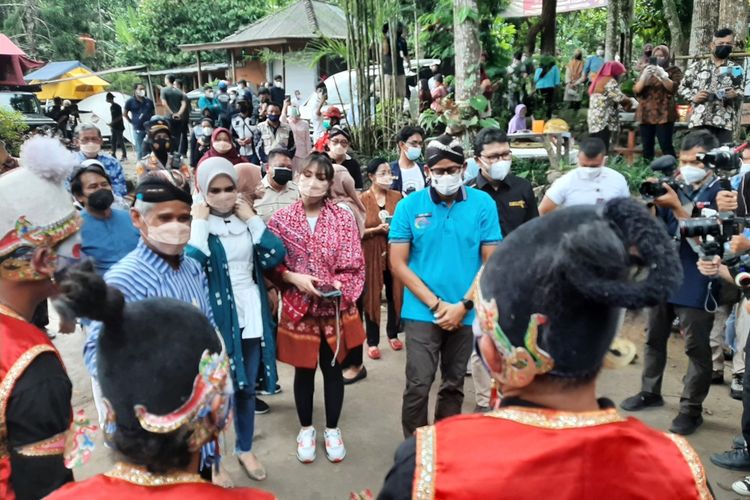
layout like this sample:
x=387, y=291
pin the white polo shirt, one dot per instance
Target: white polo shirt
x=574, y=188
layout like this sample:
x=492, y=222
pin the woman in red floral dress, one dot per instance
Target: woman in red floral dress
x=322, y=277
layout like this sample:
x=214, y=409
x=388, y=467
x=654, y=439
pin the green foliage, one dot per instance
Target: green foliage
x=12, y=129
x=152, y=33
x=123, y=82
x=635, y=174
x=534, y=171
x=479, y=103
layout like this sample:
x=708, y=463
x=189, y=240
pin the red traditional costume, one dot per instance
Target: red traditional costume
x=126, y=482
x=599, y=455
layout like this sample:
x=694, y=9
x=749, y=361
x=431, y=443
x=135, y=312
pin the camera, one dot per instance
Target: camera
x=665, y=166
x=723, y=159
x=713, y=231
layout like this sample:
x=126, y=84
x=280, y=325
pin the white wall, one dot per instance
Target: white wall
x=299, y=75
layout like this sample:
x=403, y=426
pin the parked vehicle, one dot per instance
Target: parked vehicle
x=23, y=100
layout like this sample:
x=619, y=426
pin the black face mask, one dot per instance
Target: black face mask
x=282, y=175
x=579, y=56
x=101, y=199
x=723, y=51
x=161, y=148
x=647, y=53
x=244, y=108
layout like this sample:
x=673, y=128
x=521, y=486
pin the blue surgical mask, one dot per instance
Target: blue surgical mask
x=413, y=153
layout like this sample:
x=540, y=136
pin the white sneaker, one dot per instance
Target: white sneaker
x=306, y=445
x=335, y=450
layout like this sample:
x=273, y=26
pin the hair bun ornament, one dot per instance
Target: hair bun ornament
x=48, y=158
x=520, y=363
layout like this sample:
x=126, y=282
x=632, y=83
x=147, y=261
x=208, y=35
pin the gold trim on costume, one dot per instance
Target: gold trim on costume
x=142, y=477
x=696, y=467
x=424, y=474
x=48, y=447
x=7, y=311
x=7, y=384
x=551, y=419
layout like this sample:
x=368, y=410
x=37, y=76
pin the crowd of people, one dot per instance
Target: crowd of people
x=270, y=244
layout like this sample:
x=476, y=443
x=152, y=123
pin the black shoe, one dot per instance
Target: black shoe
x=685, y=424
x=735, y=388
x=359, y=376
x=736, y=459
x=263, y=392
x=481, y=409
x=642, y=400
x=738, y=441
x=261, y=407
x=717, y=377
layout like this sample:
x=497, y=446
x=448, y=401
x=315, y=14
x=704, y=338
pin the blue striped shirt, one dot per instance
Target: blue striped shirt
x=142, y=274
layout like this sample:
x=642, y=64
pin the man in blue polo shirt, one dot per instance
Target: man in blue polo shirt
x=439, y=238
x=690, y=303
x=138, y=111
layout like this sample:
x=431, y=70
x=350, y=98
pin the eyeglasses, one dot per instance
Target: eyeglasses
x=506, y=155
x=414, y=144
x=344, y=142
x=439, y=172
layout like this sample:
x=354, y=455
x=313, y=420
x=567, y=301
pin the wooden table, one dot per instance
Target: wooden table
x=561, y=144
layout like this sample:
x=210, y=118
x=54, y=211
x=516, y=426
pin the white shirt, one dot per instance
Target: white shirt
x=574, y=188
x=244, y=129
x=411, y=180
x=316, y=120
x=238, y=239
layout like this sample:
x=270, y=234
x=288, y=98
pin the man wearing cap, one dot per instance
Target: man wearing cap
x=439, y=238
x=89, y=139
x=163, y=155
x=545, y=321
x=331, y=118
x=38, y=241
x=247, y=134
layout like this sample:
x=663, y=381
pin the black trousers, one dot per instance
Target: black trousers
x=605, y=135
x=391, y=327
x=723, y=135
x=333, y=388
x=118, y=140
x=179, y=129
x=663, y=132
x=697, y=325
x=549, y=101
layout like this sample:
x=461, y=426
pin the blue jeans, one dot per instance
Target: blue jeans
x=138, y=138
x=244, y=417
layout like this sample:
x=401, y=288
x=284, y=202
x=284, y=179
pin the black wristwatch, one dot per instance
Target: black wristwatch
x=435, y=307
x=468, y=304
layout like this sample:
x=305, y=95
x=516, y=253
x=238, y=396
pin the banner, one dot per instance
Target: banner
x=529, y=8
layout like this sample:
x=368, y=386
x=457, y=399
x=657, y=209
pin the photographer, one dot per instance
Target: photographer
x=689, y=302
x=714, y=87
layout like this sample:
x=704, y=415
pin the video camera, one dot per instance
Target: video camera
x=666, y=167
x=725, y=161
x=720, y=228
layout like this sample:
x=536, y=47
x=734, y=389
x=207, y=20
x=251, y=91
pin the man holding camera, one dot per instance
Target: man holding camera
x=714, y=86
x=689, y=303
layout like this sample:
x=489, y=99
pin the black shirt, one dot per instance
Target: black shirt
x=355, y=170
x=514, y=198
x=115, y=111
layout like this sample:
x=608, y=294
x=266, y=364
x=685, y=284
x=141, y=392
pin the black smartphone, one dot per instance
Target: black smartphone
x=652, y=60
x=329, y=292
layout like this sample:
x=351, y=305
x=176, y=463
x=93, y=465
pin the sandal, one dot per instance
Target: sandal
x=396, y=344
x=373, y=352
x=221, y=478
x=258, y=474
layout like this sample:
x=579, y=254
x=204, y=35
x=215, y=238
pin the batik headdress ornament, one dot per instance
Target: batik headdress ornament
x=35, y=208
x=205, y=413
x=520, y=363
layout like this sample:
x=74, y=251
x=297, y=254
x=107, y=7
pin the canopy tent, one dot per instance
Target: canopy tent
x=67, y=80
x=14, y=63
x=95, y=109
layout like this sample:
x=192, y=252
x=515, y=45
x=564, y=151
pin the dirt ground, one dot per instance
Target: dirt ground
x=372, y=431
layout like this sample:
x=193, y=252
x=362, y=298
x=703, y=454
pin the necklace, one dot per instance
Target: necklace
x=6, y=310
x=142, y=477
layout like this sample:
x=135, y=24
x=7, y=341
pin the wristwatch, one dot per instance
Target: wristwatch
x=468, y=304
x=435, y=307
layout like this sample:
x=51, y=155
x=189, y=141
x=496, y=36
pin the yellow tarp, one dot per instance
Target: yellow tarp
x=77, y=89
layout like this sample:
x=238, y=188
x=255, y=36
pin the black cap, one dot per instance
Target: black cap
x=163, y=185
x=157, y=124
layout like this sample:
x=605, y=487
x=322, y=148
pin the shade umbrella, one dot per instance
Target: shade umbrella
x=95, y=109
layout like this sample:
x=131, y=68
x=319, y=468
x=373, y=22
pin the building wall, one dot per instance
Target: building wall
x=252, y=71
x=299, y=75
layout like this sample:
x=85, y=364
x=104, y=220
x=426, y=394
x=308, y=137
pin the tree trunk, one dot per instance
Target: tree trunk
x=30, y=15
x=704, y=23
x=733, y=14
x=466, y=40
x=612, y=35
x=548, y=22
x=675, y=27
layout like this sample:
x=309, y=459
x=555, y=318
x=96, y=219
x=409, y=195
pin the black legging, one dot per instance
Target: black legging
x=605, y=135
x=391, y=328
x=333, y=388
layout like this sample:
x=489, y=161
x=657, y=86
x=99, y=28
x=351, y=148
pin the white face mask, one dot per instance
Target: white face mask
x=141, y=93
x=600, y=53
x=222, y=146
x=500, y=169
x=589, y=173
x=338, y=150
x=447, y=184
x=692, y=175
x=91, y=148
x=278, y=84
x=210, y=95
x=745, y=168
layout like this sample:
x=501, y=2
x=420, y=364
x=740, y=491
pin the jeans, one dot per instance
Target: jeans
x=697, y=325
x=139, y=136
x=427, y=346
x=244, y=421
x=663, y=132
